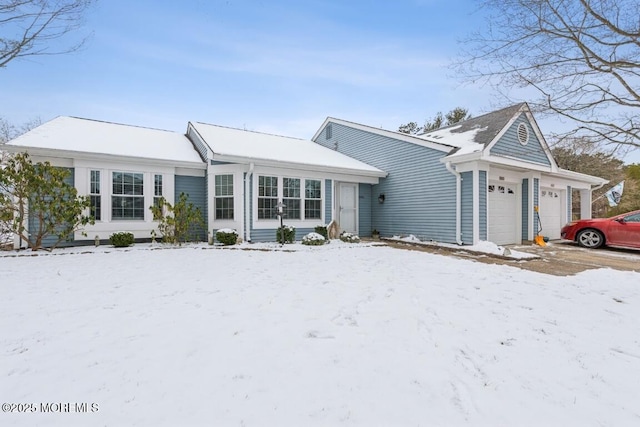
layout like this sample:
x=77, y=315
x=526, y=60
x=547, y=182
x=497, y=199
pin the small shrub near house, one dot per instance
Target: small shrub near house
x=182, y=222
x=121, y=239
x=322, y=230
x=227, y=236
x=314, y=239
x=289, y=234
x=349, y=237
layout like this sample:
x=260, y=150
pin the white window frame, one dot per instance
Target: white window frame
x=312, y=199
x=157, y=195
x=302, y=222
x=131, y=196
x=97, y=193
x=228, y=196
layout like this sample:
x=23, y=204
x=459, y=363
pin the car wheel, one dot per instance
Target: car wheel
x=590, y=239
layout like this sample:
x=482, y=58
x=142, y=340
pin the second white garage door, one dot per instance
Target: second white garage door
x=503, y=213
x=551, y=212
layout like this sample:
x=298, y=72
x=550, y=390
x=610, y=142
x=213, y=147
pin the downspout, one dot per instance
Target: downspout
x=247, y=204
x=458, y=200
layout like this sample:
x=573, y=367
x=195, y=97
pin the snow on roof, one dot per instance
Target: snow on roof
x=96, y=137
x=464, y=141
x=231, y=142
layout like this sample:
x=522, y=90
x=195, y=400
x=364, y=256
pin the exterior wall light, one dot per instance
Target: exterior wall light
x=381, y=198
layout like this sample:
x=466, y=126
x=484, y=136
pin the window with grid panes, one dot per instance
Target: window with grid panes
x=312, y=199
x=224, y=196
x=127, y=196
x=267, y=196
x=291, y=197
x=157, y=189
x=95, y=196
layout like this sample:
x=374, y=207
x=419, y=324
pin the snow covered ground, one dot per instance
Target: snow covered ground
x=353, y=335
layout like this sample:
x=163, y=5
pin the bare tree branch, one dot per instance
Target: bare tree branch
x=581, y=56
x=28, y=27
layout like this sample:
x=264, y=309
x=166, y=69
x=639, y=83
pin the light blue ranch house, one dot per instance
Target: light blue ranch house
x=478, y=180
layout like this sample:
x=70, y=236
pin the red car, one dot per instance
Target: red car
x=621, y=230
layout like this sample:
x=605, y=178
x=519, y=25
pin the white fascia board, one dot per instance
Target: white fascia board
x=543, y=141
x=389, y=134
x=516, y=163
x=301, y=166
x=462, y=158
x=320, y=129
x=68, y=154
x=581, y=177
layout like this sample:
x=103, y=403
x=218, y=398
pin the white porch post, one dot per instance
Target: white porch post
x=585, y=204
x=476, y=205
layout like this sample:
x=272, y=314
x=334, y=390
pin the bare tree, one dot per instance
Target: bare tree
x=454, y=116
x=28, y=27
x=581, y=56
x=9, y=131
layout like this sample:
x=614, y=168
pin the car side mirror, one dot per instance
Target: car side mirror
x=621, y=220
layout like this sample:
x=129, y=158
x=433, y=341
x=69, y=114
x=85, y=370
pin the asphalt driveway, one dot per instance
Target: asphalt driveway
x=559, y=258
x=563, y=258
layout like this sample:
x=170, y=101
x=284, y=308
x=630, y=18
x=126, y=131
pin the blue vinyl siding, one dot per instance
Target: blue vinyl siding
x=33, y=223
x=420, y=192
x=364, y=210
x=508, y=145
x=536, y=201
x=467, y=208
x=195, y=187
x=197, y=142
x=482, y=184
x=328, y=200
x=525, y=209
x=269, y=234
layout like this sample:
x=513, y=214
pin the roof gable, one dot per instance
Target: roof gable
x=73, y=134
x=522, y=141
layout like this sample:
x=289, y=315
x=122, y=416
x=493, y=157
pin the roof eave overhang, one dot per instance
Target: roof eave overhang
x=80, y=155
x=590, y=179
x=300, y=166
x=462, y=158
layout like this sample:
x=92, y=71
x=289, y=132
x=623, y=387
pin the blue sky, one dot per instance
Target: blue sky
x=273, y=66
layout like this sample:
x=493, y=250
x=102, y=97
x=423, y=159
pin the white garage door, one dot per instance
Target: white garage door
x=503, y=213
x=551, y=212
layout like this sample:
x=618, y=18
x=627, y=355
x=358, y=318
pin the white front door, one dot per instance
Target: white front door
x=348, y=207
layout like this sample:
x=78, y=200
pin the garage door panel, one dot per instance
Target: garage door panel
x=503, y=213
x=551, y=208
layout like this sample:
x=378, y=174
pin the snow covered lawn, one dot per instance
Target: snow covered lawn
x=342, y=334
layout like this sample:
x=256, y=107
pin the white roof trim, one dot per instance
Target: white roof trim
x=298, y=166
x=70, y=154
